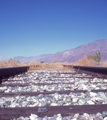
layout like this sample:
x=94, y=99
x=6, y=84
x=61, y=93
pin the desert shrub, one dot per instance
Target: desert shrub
x=85, y=61
x=35, y=65
x=96, y=57
x=47, y=66
x=10, y=63
x=3, y=63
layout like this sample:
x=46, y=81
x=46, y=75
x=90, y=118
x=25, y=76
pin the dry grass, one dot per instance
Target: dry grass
x=48, y=66
x=85, y=62
x=51, y=66
x=103, y=64
x=10, y=63
x=34, y=65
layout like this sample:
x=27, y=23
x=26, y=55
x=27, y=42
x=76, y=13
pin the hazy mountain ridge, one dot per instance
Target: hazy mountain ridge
x=33, y=58
x=72, y=55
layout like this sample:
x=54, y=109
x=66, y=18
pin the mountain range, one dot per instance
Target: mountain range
x=71, y=55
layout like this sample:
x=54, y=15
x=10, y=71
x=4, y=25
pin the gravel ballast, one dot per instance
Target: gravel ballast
x=56, y=99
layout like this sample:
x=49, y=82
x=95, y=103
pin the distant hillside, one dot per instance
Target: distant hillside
x=33, y=58
x=74, y=54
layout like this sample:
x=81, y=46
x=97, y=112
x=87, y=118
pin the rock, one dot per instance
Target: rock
x=56, y=95
x=54, y=117
x=68, y=99
x=68, y=118
x=33, y=117
x=90, y=102
x=2, y=105
x=30, y=102
x=53, y=104
x=81, y=117
x=105, y=118
x=86, y=115
x=98, y=118
x=81, y=101
x=92, y=94
x=99, y=100
x=59, y=117
x=14, y=105
x=93, y=86
x=84, y=87
x=74, y=99
x=7, y=103
x=45, y=118
x=98, y=114
x=25, y=103
x=21, y=118
x=40, y=96
x=43, y=99
x=60, y=103
x=102, y=95
x=76, y=115
x=104, y=114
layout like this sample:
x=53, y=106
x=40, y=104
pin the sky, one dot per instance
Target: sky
x=36, y=27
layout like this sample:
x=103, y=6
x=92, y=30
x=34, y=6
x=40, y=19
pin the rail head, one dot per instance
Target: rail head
x=10, y=71
x=102, y=71
x=14, y=67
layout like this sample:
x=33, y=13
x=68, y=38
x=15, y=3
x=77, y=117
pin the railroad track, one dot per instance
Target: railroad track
x=60, y=95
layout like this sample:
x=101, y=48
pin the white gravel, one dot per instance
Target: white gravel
x=45, y=76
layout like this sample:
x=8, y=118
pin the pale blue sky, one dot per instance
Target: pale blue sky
x=35, y=27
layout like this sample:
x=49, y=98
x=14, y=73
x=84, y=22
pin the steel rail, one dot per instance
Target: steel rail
x=99, y=71
x=11, y=71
